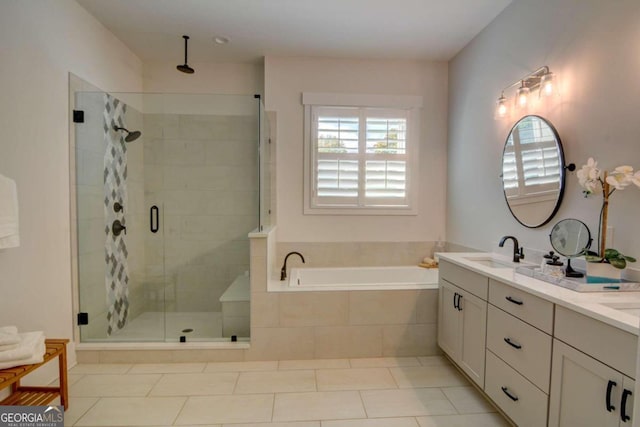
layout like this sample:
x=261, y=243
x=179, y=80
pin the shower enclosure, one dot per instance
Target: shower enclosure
x=167, y=187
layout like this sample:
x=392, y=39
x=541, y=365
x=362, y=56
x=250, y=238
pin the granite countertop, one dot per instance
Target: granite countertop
x=591, y=304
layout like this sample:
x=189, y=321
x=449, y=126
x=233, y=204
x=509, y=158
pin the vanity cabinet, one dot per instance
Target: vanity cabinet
x=592, y=373
x=585, y=392
x=541, y=363
x=462, y=319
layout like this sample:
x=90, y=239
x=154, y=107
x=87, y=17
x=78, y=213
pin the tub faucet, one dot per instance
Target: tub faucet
x=283, y=271
x=518, y=252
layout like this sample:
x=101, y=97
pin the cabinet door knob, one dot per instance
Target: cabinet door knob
x=610, y=386
x=514, y=300
x=512, y=344
x=623, y=410
x=511, y=396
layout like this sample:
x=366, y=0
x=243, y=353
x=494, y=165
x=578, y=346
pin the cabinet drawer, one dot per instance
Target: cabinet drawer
x=530, y=406
x=523, y=305
x=608, y=344
x=474, y=283
x=532, y=359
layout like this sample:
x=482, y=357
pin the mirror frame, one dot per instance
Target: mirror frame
x=563, y=168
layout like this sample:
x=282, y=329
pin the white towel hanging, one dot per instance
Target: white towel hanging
x=9, y=230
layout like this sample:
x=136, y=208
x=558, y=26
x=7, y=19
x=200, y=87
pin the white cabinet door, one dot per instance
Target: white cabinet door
x=462, y=329
x=473, y=323
x=626, y=403
x=584, y=392
x=449, y=334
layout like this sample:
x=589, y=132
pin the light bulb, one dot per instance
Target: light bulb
x=501, y=107
x=523, y=96
x=546, y=84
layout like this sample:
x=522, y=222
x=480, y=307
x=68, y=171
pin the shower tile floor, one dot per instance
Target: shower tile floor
x=150, y=326
x=382, y=392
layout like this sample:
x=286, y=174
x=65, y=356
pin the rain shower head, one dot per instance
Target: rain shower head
x=184, y=67
x=132, y=135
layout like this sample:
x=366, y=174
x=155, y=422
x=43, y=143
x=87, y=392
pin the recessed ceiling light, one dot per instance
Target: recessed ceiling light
x=220, y=40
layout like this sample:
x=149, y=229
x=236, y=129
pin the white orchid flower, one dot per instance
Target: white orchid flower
x=635, y=178
x=588, y=175
x=621, y=177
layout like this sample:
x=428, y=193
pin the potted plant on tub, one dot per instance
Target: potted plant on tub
x=607, y=264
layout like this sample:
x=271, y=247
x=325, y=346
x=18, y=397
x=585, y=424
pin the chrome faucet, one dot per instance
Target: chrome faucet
x=518, y=252
x=283, y=271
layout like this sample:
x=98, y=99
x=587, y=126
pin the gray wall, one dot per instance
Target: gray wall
x=593, y=46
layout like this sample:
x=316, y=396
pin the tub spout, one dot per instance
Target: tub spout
x=283, y=271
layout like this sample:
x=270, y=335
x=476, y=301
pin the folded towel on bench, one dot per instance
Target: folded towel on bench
x=30, y=350
x=9, y=336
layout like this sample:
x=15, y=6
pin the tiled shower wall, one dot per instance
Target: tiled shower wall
x=90, y=152
x=201, y=171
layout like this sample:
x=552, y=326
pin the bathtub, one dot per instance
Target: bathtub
x=362, y=278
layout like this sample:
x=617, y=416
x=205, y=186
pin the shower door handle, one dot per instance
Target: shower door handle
x=154, y=219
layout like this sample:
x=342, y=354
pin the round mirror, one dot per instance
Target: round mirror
x=533, y=171
x=570, y=237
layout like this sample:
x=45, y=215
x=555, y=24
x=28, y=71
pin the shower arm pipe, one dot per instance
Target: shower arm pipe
x=186, y=38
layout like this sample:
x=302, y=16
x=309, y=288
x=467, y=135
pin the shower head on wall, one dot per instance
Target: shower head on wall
x=184, y=67
x=132, y=135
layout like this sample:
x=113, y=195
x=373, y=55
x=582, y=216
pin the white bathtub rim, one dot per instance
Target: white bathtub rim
x=284, y=286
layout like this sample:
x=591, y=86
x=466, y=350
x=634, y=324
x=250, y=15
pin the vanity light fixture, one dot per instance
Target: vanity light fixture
x=541, y=79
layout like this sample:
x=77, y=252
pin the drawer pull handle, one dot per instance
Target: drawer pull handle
x=459, y=306
x=505, y=390
x=623, y=412
x=610, y=386
x=513, y=300
x=512, y=344
x=455, y=299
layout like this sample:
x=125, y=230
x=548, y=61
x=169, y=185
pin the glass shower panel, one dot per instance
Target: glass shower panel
x=265, y=169
x=112, y=288
x=163, y=215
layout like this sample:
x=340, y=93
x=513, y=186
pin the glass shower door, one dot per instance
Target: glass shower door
x=116, y=294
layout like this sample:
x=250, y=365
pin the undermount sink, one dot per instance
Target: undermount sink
x=492, y=262
x=632, y=308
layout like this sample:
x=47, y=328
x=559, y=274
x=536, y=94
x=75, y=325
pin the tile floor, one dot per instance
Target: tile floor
x=382, y=392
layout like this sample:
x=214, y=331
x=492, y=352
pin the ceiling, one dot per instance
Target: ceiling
x=376, y=29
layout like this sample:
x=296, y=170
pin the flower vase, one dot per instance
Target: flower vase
x=603, y=272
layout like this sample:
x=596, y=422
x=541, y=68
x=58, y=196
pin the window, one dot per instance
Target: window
x=359, y=160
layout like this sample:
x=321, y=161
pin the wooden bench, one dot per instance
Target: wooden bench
x=34, y=396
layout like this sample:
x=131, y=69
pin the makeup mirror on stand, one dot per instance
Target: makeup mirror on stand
x=570, y=237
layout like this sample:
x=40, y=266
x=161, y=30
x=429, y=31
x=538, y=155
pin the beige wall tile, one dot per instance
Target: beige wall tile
x=214, y=355
x=84, y=356
x=382, y=307
x=135, y=356
x=314, y=308
x=410, y=340
x=348, y=341
x=258, y=266
x=259, y=247
x=265, y=308
x=281, y=343
x=427, y=306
